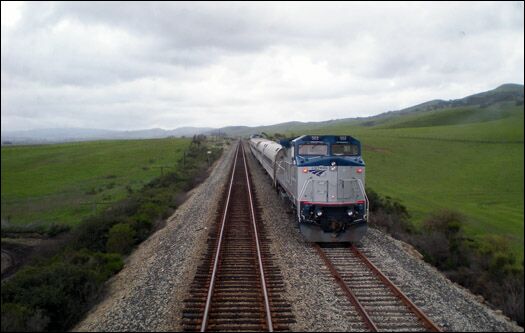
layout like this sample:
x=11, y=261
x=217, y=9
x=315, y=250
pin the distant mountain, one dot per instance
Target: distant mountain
x=507, y=93
x=48, y=135
x=488, y=102
x=504, y=93
x=53, y=135
x=156, y=133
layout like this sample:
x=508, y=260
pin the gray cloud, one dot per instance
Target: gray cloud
x=138, y=65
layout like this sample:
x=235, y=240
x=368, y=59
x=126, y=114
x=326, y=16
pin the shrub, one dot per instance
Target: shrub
x=54, y=294
x=121, y=238
x=511, y=297
x=151, y=210
x=93, y=233
x=18, y=318
x=446, y=221
x=389, y=215
x=442, y=242
x=386, y=204
x=142, y=226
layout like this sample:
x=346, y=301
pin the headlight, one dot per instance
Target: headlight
x=319, y=212
x=350, y=212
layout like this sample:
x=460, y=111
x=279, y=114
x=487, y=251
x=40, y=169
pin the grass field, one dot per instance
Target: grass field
x=464, y=159
x=469, y=159
x=60, y=183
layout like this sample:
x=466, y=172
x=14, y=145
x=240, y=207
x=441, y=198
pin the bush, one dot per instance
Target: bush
x=18, y=318
x=442, y=242
x=54, y=294
x=121, y=238
x=142, y=225
x=511, y=297
x=386, y=204
x=445, y=221
x=389, y=215
x=93, y=232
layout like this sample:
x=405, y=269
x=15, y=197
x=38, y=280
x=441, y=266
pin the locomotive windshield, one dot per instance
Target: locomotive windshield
x=316, y=150
x=345, y=149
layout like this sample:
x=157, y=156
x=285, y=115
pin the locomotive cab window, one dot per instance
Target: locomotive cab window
x=345, y=149
x=314, y=150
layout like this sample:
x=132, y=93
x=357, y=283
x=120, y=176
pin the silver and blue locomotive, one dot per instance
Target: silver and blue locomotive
x=323, y=176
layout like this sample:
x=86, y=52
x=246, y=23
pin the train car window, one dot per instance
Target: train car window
x=316, y=150
x=345, y=149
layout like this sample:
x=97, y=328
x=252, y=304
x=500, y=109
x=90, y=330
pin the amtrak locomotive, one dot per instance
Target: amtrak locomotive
x=323, y=176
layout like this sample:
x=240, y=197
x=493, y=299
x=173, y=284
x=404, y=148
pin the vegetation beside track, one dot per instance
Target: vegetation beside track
x=488, y=267
x=54, y=293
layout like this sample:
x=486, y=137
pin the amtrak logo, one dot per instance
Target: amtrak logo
x=317, y=172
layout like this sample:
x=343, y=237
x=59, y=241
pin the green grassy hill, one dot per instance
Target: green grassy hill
x=466, y=155
x=59, y=183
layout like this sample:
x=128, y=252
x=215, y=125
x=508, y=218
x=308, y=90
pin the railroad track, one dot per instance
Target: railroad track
x=378, y=302
x=237, y=287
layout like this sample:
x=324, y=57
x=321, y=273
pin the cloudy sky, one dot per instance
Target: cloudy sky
x=141, y=65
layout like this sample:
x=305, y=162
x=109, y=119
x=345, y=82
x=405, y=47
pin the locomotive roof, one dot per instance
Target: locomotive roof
x=326, y=138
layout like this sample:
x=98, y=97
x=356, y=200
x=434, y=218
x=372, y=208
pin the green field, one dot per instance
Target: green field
x=60, y=183
x=465, y=159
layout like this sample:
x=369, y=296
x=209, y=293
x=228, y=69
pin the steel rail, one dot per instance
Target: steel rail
x=259, y=257
x=429, y=324
x=217, y=254
x=348, y=292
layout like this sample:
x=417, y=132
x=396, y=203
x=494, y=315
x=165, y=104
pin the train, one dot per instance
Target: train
x=323, y=178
